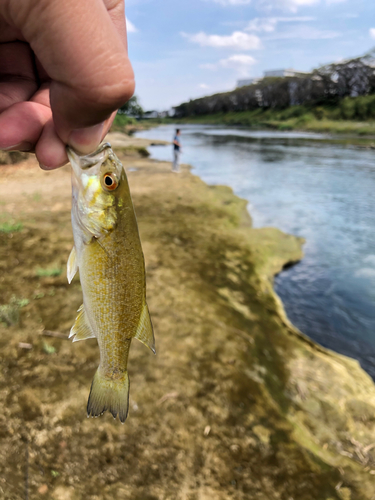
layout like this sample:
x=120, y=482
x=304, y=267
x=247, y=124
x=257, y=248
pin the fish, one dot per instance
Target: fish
x=108, y=253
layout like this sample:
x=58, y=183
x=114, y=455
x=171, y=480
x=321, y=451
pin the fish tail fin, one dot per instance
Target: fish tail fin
x=109, y=394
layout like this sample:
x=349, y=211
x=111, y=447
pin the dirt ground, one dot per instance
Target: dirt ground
x=236, y=403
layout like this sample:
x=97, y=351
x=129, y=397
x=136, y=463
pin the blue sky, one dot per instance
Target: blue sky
x=184, y=49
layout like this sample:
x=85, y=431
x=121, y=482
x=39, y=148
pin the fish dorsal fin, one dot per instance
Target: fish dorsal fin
x=81, y=330
x=72, y=265
x=145, y=332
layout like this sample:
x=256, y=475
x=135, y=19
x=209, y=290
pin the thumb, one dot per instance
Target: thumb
x=82, y=48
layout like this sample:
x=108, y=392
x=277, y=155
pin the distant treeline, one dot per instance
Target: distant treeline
x=328, y=84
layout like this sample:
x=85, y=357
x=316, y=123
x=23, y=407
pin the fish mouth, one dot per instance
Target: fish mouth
x=93, y=161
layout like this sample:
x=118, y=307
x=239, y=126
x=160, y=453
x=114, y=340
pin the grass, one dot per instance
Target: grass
x=128, y=125
x=10, y=313
x=8, y=227
x=49, y=349
x=48, y=272
x=122, y=120
x=135, y=151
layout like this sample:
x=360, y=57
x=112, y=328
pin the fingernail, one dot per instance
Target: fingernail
x=21, y=146
x=86, y=140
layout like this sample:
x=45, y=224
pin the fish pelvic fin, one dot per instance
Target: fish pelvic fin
x=145, y=331
x=110, y=394
x=72, y=265
x=81, y=330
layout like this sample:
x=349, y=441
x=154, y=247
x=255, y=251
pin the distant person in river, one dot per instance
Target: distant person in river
x=176, y=151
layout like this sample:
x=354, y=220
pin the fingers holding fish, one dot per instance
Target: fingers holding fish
x=85, y=71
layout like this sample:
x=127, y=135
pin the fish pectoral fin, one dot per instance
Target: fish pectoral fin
x=72, y=265
x=81, y=330
x=145, y=332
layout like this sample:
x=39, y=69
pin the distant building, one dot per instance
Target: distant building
x=247, y=81
x=150, y=114
x=282, y=73
x=158, y=114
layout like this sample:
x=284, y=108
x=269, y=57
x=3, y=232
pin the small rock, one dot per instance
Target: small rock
x=234, y=448
x=43, y=489
x=25, y=345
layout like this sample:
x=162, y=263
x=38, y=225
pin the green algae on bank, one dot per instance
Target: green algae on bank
x=237, y=404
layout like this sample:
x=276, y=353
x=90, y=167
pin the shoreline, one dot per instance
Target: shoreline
x=344, y=133
x=237, y=404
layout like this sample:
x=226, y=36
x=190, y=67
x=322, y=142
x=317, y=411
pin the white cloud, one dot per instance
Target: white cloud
x=130, y=26
x=269, y=24
x=304, y=33
x=237, y=40
x=293, y=5
x=372, y=33
x=203, y=86
x=233, y=2
x=266, y=24
x=239, y=62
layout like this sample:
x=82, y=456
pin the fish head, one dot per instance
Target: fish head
x=97, y=183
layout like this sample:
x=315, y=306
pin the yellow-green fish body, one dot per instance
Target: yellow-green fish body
x=108, y=253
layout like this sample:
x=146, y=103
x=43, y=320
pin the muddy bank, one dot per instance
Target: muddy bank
x=236, y=404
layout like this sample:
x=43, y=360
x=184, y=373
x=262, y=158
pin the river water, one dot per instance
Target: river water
x=309, y=188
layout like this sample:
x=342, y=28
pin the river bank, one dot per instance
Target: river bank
x=347, y=132
x=236, y=404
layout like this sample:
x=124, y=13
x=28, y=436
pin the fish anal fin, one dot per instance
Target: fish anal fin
x=145, y=332
x=72, y=265
x=81, y=330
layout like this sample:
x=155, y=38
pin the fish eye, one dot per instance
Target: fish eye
x=110, y=181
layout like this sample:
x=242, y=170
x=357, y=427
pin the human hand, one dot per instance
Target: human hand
x=64, y=71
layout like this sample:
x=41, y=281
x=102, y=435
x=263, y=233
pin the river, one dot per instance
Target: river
x=321, y=191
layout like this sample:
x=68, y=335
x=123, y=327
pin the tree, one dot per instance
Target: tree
x=132, y=108
x=350, y=78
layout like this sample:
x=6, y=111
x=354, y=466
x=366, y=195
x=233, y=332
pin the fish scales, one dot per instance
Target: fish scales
x=108, y=253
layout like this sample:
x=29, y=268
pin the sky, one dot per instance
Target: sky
x=184, y=49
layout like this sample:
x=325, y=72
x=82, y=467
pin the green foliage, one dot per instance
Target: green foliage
x=132, y=108
x=305, y=119
x=8, y=227
x=320, y=113
x=284, y=127
x=122, y=120
x=49, y=272
x=292, y=112
x=348, y=108
x=360, y=108
x=351, y=115
x=10, y=313
x=335, y=114
x=49, y=349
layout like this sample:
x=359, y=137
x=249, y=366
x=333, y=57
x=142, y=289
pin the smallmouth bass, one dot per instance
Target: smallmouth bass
x=107, y=251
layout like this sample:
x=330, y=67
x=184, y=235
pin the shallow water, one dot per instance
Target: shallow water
x=309, y=188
